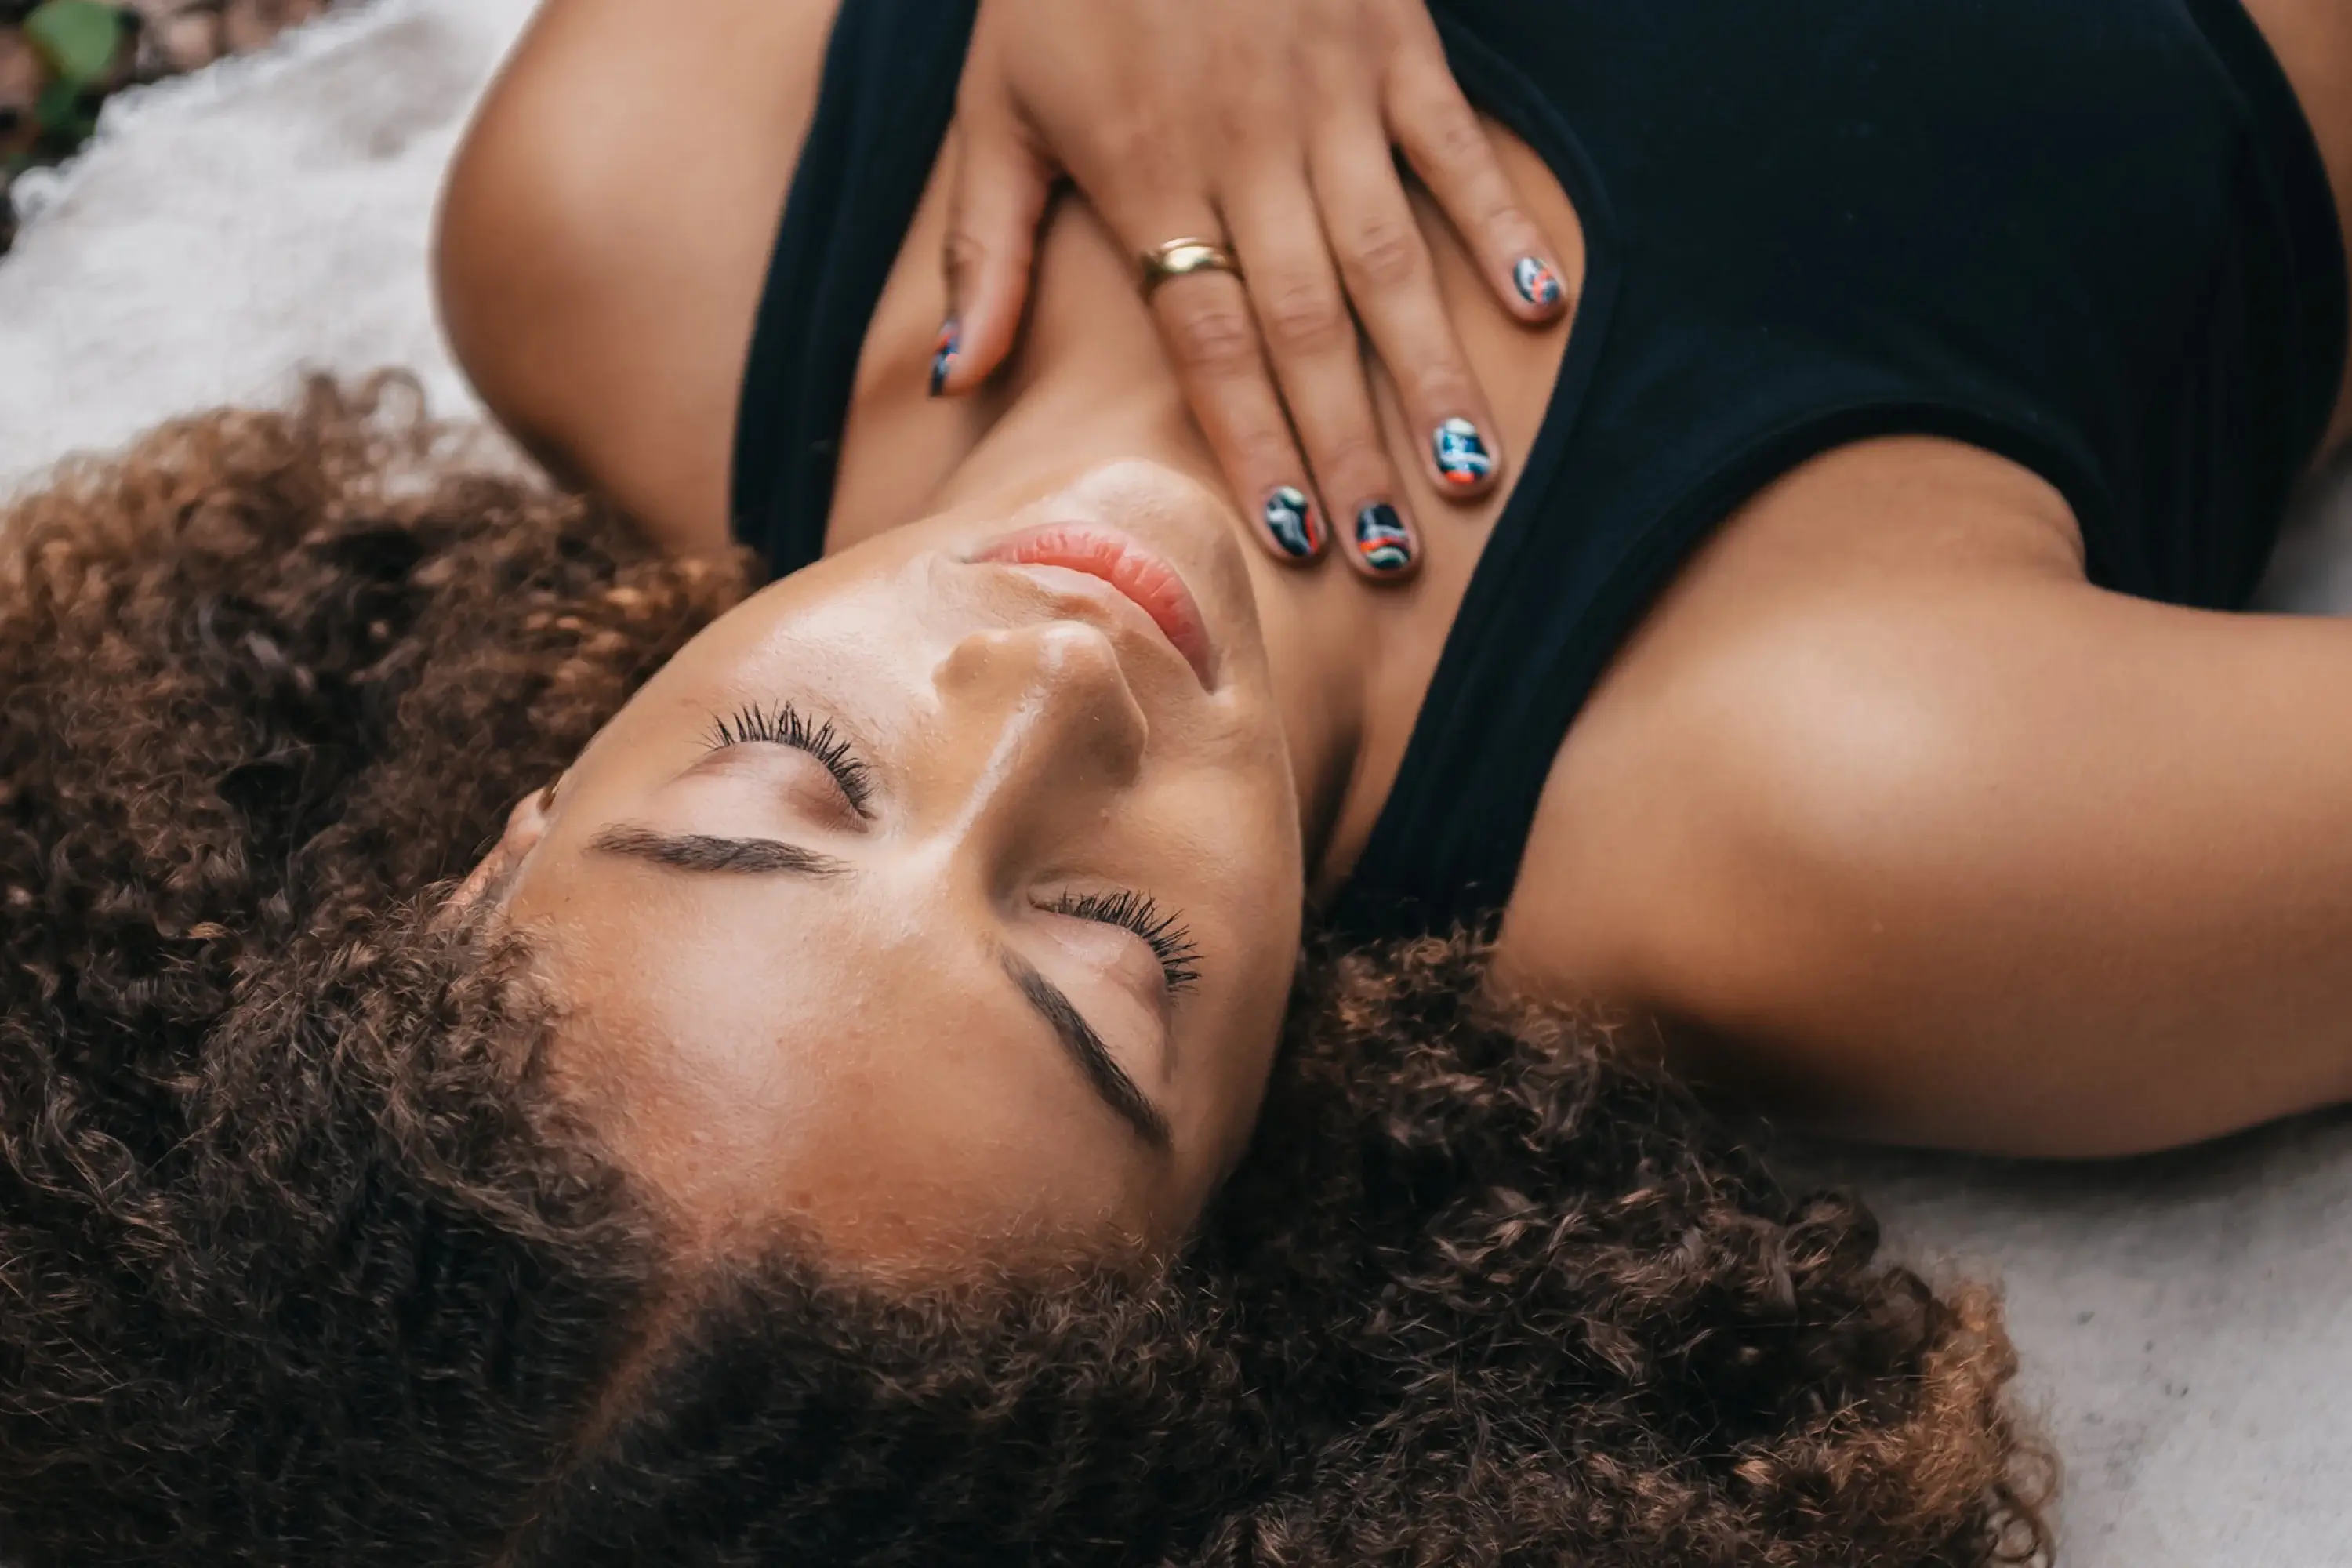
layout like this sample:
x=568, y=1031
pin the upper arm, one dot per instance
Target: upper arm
x=2030, y=869
x=1920, y=836
x=605, y=232
x=1808, y=670
x=1826, y=858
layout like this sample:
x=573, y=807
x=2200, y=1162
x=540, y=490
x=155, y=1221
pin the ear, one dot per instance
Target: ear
x=526, y=825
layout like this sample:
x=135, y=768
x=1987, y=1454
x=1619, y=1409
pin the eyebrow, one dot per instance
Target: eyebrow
x=708, y=852
x=1086, y=1047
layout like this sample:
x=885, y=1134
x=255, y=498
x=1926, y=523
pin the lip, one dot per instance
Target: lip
x=1138, y=574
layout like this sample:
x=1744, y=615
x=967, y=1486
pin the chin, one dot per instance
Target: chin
x=1173, y=510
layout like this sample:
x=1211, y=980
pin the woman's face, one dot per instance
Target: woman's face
x=943, y=898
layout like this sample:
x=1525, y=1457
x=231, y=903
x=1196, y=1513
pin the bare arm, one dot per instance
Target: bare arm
x=1923, y=839
x=606, y=229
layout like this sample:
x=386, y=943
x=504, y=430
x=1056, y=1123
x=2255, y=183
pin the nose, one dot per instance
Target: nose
x=1043, y=729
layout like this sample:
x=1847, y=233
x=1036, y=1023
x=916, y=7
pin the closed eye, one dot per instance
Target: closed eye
x=782, y=725
x=1171, y=943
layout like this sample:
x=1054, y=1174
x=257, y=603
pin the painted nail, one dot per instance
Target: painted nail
x=1538, y=285
x=1289, y=516
x=1462, y=460
x=943, y=354
x=1381, y=539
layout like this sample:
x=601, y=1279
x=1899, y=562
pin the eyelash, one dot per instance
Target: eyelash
x=1180, y=960
x=783, y=726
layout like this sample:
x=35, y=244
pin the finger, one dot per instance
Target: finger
x=1149, y=197
x=1386, y=266
x=1317, y=360
x=1205, y=321
x=1450, y=150
x=996, y=203
x=1212, y=339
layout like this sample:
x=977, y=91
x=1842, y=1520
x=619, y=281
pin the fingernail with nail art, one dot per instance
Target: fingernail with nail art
x=1290, y=517
x=1381, y=539
x=1462, y=459
x=943, y=355
x=1538, y=285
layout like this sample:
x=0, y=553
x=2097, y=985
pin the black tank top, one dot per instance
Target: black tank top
x=2095, y=236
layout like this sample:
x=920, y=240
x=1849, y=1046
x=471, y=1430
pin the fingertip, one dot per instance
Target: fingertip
x=982, y=319
x=1291, y=526
x=1382, y=542
x=946, y=353
x=1466, y=461
x=990, y=248
x=1535, y=288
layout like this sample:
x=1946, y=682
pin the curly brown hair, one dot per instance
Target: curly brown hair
x=304, y=1261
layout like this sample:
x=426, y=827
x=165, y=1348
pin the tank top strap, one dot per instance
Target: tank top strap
x=891, y=70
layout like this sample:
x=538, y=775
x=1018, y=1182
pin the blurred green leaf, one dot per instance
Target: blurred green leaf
x=66, y=118
x=57, y=104
x=79, y=39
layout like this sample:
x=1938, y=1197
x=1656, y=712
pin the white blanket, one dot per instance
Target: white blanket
x=268, y=214
x=2186, y=1323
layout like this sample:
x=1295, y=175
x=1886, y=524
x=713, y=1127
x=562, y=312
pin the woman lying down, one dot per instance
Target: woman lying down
x=868, y=1104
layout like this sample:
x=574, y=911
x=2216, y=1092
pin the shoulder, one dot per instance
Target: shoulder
x=1804, y=726
x=605, y=231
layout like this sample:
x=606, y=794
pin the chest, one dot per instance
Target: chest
x=904, y=454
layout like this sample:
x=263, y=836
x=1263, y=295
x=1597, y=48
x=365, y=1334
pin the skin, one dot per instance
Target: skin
x=1902, y=828
x=1227, y=117
x=849, y=1032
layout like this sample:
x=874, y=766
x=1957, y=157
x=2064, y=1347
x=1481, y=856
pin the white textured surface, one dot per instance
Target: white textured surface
x=231, y=229
x=2187, y=1322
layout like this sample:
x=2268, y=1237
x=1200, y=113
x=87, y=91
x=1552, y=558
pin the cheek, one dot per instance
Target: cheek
x=1238, y=878
x=1235, y=830
x=1223, y=855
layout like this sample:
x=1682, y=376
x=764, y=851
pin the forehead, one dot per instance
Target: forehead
x=761, y=1051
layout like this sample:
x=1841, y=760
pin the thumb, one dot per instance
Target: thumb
x=997, y=202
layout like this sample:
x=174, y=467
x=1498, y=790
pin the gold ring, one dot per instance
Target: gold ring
x=1181, y=257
